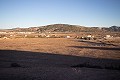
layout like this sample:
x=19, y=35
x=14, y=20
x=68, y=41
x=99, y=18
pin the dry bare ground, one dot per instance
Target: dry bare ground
x=64, y=46
x=59, y=59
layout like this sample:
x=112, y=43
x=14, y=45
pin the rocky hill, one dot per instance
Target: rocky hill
x=60, y=28
x=65, y=28
x=112, y=29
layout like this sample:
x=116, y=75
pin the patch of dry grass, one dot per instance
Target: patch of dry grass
x=60, y=46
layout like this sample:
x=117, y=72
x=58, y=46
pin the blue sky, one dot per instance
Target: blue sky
x=29, y=13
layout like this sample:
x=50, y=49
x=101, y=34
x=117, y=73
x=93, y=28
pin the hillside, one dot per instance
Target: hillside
x=112, y=29
x=55, y=28
x=59, y=28
x=64, y=28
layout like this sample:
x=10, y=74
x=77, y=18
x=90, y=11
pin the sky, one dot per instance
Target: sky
x=32, y=13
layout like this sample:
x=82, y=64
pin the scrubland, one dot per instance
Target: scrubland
x=60, y=58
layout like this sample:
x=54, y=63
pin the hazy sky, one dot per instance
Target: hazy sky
x=28, y=13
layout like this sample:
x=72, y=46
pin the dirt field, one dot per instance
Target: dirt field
x=59, y=59
x=76, y=47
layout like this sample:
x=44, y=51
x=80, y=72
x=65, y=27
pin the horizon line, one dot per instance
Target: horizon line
x=57, y=24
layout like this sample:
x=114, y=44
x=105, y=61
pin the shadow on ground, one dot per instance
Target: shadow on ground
x=100, y=48
x=26, y=65
x=97, y=43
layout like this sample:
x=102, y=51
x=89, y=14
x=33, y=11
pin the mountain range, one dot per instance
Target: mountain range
x=65, y=28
